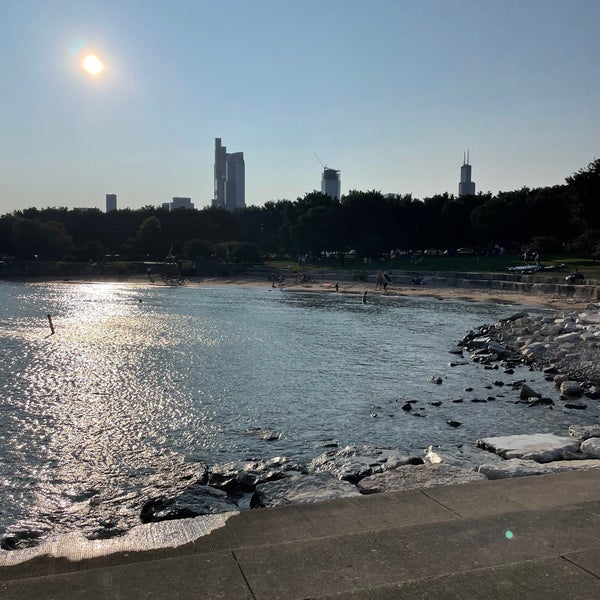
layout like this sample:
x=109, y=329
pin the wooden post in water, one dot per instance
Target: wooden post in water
x=51, y=325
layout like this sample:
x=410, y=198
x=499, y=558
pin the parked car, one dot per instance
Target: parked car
x=431, y=252
x=465, y=251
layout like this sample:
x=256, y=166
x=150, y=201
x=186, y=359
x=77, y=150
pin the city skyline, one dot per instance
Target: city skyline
x=389, y=96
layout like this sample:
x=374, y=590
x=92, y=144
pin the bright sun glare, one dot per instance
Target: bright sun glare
x=92, y=64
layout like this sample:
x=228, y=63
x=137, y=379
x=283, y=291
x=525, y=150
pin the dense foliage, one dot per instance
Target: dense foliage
x=559, y=218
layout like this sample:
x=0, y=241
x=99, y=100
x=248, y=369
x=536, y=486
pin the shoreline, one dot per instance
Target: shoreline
x=358, y=288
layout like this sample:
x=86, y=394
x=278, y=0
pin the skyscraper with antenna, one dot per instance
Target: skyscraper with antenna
x=466, y=187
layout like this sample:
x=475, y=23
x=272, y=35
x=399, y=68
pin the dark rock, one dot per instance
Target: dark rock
x=454, y=423
x=525, y=393
x=576, y=405
x=194, y=501
x=458, y=401
x=436, y=403
x=540, y=402
x=593, y=393
x=406, y=406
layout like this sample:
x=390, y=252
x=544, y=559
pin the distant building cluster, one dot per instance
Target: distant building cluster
x=230, y=178
x=178, y=202
x=230, y=183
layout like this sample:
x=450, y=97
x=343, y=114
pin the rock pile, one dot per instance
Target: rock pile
x=565, y=345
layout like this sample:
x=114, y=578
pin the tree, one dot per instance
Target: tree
x=584, y=192
x=149, y=236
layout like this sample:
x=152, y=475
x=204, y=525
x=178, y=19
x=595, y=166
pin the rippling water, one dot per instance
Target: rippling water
x=140, y=384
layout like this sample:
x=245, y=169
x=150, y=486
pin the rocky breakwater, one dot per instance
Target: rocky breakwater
x=565, y=345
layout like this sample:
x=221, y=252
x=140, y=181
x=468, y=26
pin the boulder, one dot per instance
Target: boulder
x=242, y=476
x=541, y=447
x=571, y=389
x=497, y=348
x=352, y=464
x=196, y=500
x=568, y=338
x=302, y=489
x=591, y=447
x=525, y=393
x=466, y=457
x=417, y=476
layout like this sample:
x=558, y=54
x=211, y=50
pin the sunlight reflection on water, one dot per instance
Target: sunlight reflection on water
x=128, y=396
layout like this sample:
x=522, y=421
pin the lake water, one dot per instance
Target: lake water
x=140, y=384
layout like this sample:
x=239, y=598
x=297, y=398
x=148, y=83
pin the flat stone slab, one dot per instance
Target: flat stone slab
x=417, y=476
x=541, y=447
x=514, y=467
x=302, y=489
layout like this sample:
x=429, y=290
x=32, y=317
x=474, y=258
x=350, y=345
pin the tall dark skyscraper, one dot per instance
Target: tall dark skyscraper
x=466, y=187
x=331, y=183
x=230, y=178
x=111, y=202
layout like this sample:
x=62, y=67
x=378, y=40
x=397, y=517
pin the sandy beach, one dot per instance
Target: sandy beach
x=442, y=293
x=357, y=288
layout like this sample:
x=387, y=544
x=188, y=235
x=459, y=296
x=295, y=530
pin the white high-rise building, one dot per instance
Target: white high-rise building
x=331, y=183
x=230, y=178
x=466, y=187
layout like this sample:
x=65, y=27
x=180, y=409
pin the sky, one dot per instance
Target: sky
x=390, y=92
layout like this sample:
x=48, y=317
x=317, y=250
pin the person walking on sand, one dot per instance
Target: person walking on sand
x=365, y=298
x=337, y=287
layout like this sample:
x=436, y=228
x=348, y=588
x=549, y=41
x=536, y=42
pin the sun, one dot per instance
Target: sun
x=92, y=64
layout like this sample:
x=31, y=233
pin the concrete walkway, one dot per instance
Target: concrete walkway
x=526, y=538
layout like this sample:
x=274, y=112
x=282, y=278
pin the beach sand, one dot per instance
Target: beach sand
x=441, y=293
x=358, y=288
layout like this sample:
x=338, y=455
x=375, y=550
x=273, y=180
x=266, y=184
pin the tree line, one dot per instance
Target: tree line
x=561, y=218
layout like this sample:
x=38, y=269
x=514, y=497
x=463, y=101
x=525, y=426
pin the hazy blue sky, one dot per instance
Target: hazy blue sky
x=391, y=92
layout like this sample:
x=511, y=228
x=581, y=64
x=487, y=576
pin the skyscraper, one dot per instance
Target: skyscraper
x=230, y=178
x=466, y=187
x=331, y=183
x=111, y=202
